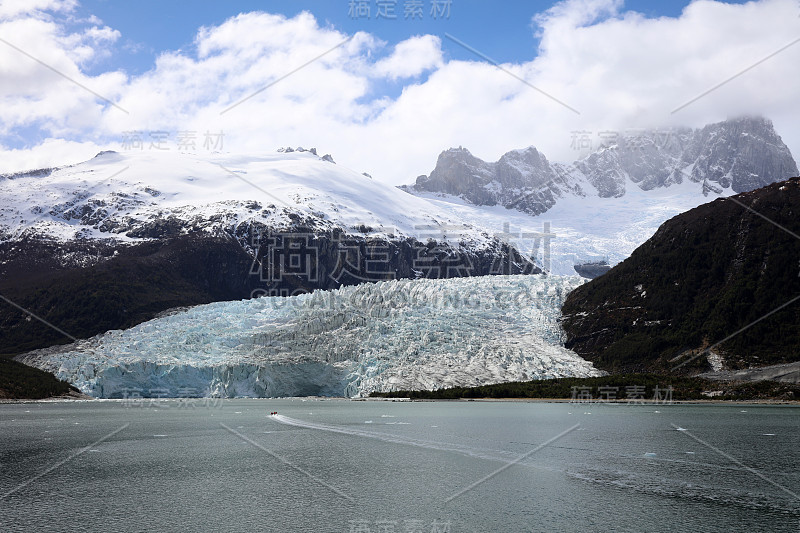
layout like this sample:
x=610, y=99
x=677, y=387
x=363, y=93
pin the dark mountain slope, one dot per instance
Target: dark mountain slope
x=19, y=381
x=119, y=287
x=704, y=276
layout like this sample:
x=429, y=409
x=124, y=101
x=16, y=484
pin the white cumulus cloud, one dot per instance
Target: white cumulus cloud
x=267, y=80
x=412, y=57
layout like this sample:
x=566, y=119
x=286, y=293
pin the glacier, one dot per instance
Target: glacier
x=391, y=335
x=581, y=228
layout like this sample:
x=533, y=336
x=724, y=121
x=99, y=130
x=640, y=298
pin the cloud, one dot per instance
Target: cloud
x=48, y=153
x=571, y=14
x=634, y=71
x=34, y=8
x=412, y=57
x=42, y=80
x=620, y=69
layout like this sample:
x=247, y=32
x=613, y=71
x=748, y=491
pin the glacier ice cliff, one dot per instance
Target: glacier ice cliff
x=392, y=335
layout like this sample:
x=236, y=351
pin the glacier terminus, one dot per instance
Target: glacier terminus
x=391, y=335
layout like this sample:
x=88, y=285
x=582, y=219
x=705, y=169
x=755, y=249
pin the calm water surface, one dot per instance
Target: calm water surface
x=344, y=466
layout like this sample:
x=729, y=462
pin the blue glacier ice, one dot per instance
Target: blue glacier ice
x=392, y=335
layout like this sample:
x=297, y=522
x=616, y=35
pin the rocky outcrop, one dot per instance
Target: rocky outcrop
x=743, y=154
x=521, y=179
x=740, y=154
x=713, y=285
x=592, y=270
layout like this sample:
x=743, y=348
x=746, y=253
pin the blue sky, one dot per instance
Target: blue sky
x=502, y=30
x=395, y=95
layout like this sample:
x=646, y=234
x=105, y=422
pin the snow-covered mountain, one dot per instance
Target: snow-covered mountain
x=608, y=203
x=582, y=228
x=134, y=196
x=738, y=155
x=393, y=335
x=113, y=241
x=296, y=214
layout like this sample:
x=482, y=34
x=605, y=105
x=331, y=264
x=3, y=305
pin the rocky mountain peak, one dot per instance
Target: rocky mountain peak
x=740, y=154
x=743, y=154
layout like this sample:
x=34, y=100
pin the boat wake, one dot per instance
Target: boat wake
x=481, y=453
x=626, y=477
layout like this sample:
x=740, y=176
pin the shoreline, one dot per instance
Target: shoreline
x=86, y=398
x=626, y=402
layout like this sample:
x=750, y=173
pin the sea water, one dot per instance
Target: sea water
x=375, y=466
